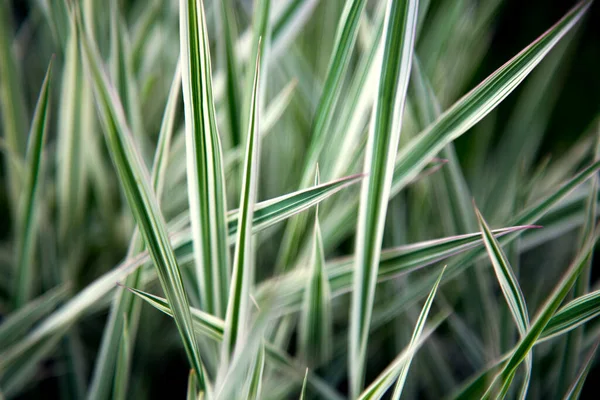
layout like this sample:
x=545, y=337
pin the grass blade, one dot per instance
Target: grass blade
x=256, y=375
x=523, y=348
x=123, y=364
x=27, y=217
x=384, y=135
x=303, y=391
x=192, y=391
x=418, y=331
x=510, y=288
x=206, y=187
x=243, y=264
x=141, y=200
x=314, y=339
x=125, y=303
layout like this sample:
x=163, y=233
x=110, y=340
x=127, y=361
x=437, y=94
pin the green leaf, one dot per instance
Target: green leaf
x=347, y=31
x=384, y=135
x=303, y=391
x=140, y=197
x=192, y=388
x=125, y=303
x=243, y=264
x=315, y=329
x=229, y=32
x=27, y=229
x=523, y=348
x=256, y=375
x=510, y=288
x=206, y=186
x=122, y=371
x=418, y=331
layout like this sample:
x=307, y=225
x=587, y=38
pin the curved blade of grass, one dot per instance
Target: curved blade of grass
x=125, y=303
x=315, y=329
x=123, y=364
x=466, y=112
x=206, y=187
x=386, y=379
x=140, y=197
x=347, y=31
x=12, y=103
x=575, y=389
x=505, y=376
x=243, y=264
x=418, y=331
x=384, y=135
x=511, y=290
x=28, y=203
x=232, y=99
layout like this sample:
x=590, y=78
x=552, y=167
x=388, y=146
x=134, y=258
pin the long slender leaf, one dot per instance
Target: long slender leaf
x=206, y=188
x=384, y=135
x=243, y=264
x=134, y=180
x=575, y=389
x=28, y=209
x=123, y=364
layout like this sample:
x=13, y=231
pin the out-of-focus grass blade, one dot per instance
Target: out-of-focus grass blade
x=125, y=303
x=261, y=40
x=140, y=197
x=384, y=135
x=206, y=187
x=510, y=288
x=419, y=326
x=213, y=327
x=303, y=391
x=243, y=263
x=11, y=102
x=256, y=375
x=70, y=165
x=28, y=203
x=232, y=74
x=523, y=348
x=386, y=379
x=123, y=364
x=347, y=31
x=314, y=339
x=192, y=388
x=15, y=325
x=575, y=389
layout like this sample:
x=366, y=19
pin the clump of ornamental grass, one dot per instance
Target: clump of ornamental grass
x=264, y=200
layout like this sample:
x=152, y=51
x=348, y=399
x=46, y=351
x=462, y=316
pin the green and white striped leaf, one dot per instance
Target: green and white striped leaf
x=122, y=371
x=206, y=186
x=384, y=135
x=238, y=307
x=511, y=290
x=125, y=303
x=315, y=329
x=420, y=325
x=505, y=376
x=140, y=197
x=29, y=199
